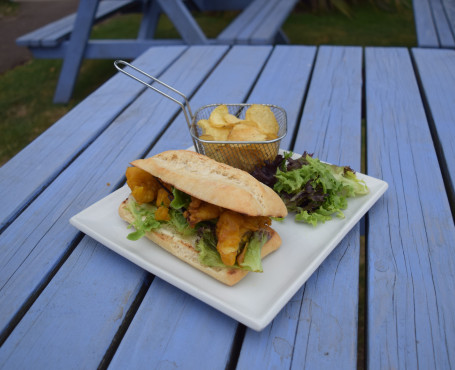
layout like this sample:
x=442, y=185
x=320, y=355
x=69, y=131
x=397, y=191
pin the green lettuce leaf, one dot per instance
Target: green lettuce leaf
x=209, y=256
x=206, y=246
x=179, y=222
x=144, y=219
x=253, y=260
x=314, y=190
x=181, y=199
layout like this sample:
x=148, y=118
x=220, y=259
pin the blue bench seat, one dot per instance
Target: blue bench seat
x=53, y=34
x=435, y=23
x=259, y=23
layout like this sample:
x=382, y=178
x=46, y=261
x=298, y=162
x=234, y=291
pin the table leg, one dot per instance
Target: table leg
x=150, y=20
x=183, y=20
x=76, y=49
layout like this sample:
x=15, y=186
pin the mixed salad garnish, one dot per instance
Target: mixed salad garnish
x=314, y=190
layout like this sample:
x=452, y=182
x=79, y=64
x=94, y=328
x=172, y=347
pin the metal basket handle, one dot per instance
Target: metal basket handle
x=188, y=114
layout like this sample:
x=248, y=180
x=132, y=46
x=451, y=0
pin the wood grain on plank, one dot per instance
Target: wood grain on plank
x=307, y=332
x=181, y=345
x=32, y=169
x=36, y=242
x=411, y=264
x=436, y=70
x=425, y=29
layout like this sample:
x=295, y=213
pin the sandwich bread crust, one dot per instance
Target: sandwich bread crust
x=183, y=248
x=214, y=182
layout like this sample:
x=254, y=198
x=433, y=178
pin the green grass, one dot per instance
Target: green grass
x=367, y=26
x=26, y=92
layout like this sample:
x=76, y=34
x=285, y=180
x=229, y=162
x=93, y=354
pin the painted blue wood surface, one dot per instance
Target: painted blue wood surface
x=318, y=327
x=445, y=33
x=52, y=34
x=425, y=29
x=247, y=30
x=298, y=61
x=289, y=67
x=106, y=48
x=74, y=54
x=229, y=34
x=449, y=8
x=31, y=257
x=437, y=74
x=72, y=323
x=217, y=88
x=268, y=30
x=149, y=22
x=183, y=21
x=222, y=4
x=265, y=17
x=328, y=318
x=174, y=330
x=259, y=23
x=32, y=169
x=435, y=23
x=410, y=239
x=71, y=295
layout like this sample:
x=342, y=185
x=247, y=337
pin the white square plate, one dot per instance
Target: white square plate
x=259, y=297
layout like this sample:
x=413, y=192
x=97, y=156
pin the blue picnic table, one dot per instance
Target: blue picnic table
x=257, y=22
x=435, y=23
x=68, y=301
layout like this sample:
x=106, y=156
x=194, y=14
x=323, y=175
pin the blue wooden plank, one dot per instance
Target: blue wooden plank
x=71, y=326
x=410, y=259
x=333, y=107
x=205, y=5
x=284, y=83
x=75, y=52
x=230, y=33
x=52, y=34
x=449, y=8
x=171, y=328
x=106, y=49
x=105, y=8
x=425, y=28
x=32, y=169
x=446, y=38
x=183, y=21
x=437, y=74
x=180, y=345
x=328, y=320
x=37, y=241
x=34, y=38
x=149, y=22
x=245, y=33
x=307, y=331
x=267, y=31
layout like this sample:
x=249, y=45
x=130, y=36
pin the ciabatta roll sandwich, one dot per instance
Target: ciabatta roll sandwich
x=213, y=216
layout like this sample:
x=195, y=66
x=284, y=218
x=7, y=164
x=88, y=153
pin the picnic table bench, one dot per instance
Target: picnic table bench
x=259, y=22
x=435, y=23
x=67, y=301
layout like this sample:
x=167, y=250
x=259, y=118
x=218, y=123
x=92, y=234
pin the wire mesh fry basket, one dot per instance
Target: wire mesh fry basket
x=245, y=155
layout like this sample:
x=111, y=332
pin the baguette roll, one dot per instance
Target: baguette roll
x=225, y=189
x=184, y=248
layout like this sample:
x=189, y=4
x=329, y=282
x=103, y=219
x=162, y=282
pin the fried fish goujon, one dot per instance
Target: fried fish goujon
x=212, y=216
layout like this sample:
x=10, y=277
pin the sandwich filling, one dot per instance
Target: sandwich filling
x=224, y=238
